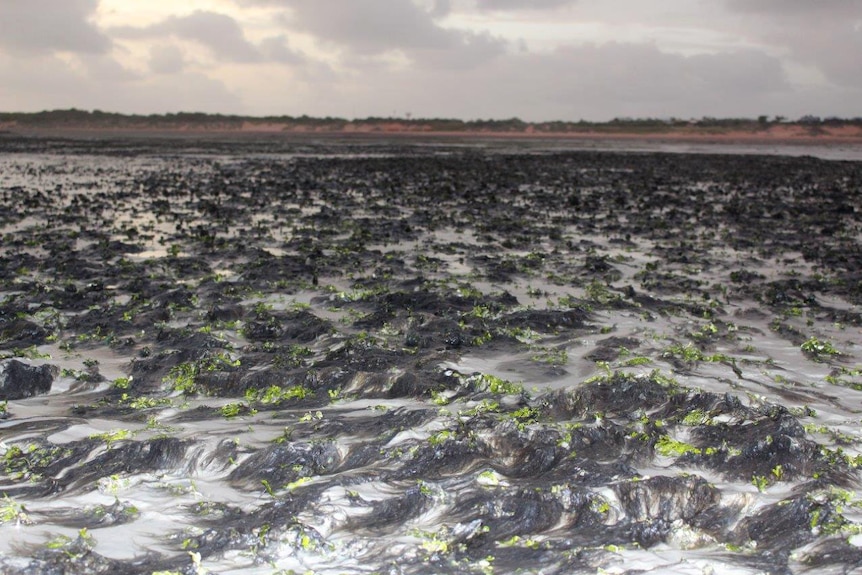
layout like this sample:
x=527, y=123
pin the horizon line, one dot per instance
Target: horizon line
x=409, y=118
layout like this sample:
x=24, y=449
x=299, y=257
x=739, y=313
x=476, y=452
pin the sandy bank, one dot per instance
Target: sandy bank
x=789, y=133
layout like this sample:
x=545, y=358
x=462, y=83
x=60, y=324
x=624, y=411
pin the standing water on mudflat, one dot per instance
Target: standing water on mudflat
x=257, y=358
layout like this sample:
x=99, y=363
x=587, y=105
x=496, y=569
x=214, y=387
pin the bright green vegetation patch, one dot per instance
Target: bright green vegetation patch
x=441, y=437
x=31, y=352
x=761, y=482
x=599, y=293
x=183, y=377
x=495, y=384
x=12, y=511
x=690, y=353
x=552, y=356
x=518, y=541
x=482, y=339
x=609, y=376
x=670, y=447
x=523, y=334
x=112, y=436
x=836, y=524
x=837, y=377
x=141, y=403
x=357, y=295
x=817, y=347
x=485, y=406
x=481, y=312
x=25, y=463
x=489, y=478
x=122, y=383
x=232, y=410
x=298, y=483
x=696, y=417
x=835, y=434
x=637, y=361
x=275, y=394
x=524, y=416
x=84, y=539
x=291, y=357
x=705, y=332
x=838, y=456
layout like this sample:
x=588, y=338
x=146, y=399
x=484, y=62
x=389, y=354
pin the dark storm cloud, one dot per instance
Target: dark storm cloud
x=218, y=32
x=45, y=26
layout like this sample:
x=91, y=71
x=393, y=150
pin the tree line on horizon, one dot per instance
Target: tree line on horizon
x=97, y=118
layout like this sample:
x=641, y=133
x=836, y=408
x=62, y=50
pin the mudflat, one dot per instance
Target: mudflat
x=274, y=355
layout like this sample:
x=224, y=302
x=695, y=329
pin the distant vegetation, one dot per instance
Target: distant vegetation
x=97, y=119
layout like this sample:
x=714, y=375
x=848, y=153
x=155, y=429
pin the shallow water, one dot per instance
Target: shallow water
x=401, y=358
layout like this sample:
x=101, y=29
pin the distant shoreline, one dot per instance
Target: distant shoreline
x=80, y=123
x=774, y=135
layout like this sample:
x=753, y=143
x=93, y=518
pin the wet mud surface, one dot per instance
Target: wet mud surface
x=343, y=358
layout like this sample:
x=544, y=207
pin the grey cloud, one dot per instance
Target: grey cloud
x=837, y=52
x=276, y=49
x=191, y=92
x=511, y=5
x=53, y=85
x=273, y=3
x=590, y=81
x=743, y=72
x=826, y=34
x=218, y=32
x=45, y=26
x=441, y=8
x=370, y=28
x=104, y=68
x=470, y=52
x=166, y=59
x=648, y=82
x=452, y=72
x=821, y=8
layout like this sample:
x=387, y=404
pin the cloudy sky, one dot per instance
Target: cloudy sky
x=470, y=59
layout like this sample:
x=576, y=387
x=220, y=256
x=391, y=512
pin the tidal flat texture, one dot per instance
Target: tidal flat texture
x=392, y=357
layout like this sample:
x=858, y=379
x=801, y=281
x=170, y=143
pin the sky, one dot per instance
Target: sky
x=538, y=60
